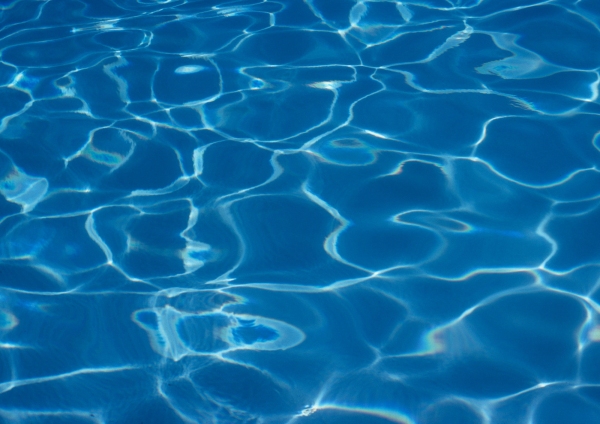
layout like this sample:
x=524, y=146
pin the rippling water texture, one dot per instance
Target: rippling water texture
x=300, y=212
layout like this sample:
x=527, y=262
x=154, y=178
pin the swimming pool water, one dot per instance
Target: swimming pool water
x=300, y=211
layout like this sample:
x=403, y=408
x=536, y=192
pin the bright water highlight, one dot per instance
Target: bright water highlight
x=300, y=211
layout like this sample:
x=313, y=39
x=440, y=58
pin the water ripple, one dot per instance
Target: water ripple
x=299, y=211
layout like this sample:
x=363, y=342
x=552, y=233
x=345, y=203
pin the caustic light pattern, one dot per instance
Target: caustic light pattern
x=300, y=211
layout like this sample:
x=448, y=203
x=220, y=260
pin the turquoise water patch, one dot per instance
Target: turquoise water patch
x=18, y=187
x=7, y=321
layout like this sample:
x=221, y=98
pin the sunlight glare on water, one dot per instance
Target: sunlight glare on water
x=299, y=212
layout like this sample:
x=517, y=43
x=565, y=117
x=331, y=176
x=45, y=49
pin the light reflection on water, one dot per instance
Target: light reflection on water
x=299, y=212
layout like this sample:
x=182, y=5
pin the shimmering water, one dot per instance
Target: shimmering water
x=286, y=211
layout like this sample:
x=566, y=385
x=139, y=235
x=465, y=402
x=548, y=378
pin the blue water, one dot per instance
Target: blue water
x=300, y=212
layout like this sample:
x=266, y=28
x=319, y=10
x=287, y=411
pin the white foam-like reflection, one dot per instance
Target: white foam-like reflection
x=190, y=69
x=175, y=334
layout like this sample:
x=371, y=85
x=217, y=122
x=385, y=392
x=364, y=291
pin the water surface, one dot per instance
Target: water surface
x=286, y=211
